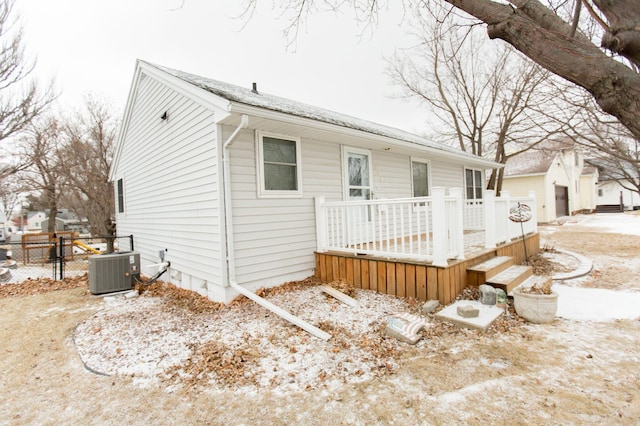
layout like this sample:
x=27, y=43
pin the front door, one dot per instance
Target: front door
x=358, y=178
x=358, y=186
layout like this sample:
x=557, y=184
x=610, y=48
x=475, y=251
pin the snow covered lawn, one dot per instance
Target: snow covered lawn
x=172, y=361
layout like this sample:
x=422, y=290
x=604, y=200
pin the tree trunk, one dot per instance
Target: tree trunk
x=540, y=34
x=53, y=210
x=623, y=34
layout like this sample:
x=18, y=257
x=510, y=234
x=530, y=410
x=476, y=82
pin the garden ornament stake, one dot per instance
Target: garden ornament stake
x=520, y=214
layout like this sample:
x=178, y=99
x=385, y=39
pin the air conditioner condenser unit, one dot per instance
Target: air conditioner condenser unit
x=113, y=272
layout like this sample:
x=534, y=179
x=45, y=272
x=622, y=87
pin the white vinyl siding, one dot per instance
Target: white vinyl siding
x=172, y=183
x=391, y=175
x=446, y=175
x=275, y=238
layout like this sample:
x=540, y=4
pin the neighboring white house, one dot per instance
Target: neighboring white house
x=3, y=226
x=223, y=180
x=34, y=221
x=557, y=173
x=67, y=221
x=611, y=193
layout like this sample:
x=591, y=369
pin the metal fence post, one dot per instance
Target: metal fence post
x=61, y=257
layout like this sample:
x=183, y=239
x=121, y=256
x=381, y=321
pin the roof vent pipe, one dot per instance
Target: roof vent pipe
x=255, y=88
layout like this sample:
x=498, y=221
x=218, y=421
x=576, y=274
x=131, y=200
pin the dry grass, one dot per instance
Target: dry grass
x=566, y=372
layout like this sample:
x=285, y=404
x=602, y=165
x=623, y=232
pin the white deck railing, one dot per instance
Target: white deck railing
x=501, y=229
x=426, y=228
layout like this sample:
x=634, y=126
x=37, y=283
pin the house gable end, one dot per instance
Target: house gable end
x=200, y=96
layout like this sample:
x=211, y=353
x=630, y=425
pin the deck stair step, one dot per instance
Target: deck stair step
x=537, y=280
x=480, y=273
x=609, y=208
x=511, y=277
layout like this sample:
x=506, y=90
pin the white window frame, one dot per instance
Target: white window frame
x=262, y=191
x=474, y=187
x=429, y=181
x=120, y=194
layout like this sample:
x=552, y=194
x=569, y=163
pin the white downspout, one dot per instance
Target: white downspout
x=231, y=266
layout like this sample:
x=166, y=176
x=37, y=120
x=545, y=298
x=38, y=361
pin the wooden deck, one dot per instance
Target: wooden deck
x=405, y=278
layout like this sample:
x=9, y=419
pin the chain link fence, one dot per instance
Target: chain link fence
x=55, y=257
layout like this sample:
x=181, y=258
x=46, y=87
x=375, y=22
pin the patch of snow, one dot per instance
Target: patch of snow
x=615, y=223
x=596, y=304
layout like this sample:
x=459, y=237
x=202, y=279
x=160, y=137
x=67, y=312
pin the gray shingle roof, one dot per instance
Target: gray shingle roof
x=529, y=163
x=246, y=96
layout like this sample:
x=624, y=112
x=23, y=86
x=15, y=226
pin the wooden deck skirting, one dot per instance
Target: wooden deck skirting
x=412, y=279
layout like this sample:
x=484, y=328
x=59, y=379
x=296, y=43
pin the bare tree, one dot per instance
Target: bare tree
x=9, y=195
x=488, y=100
x=610, y=146
x=86, y=159
x=543, y=33
x=21, y=100
x=41, y=153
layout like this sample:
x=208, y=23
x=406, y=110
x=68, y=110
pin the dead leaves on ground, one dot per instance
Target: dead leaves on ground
x=215, y=360
x=236, y=366
x=31, y=286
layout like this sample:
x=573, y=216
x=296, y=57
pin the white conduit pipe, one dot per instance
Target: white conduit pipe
x=244, y=121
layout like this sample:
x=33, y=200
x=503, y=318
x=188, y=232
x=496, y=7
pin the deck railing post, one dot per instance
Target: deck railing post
x=490, y=219
x=458, y=225
x=534, y=211
x=321, y=225
x=504, y=216
x=438, y=209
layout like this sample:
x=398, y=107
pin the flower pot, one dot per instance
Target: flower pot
x=536, y=308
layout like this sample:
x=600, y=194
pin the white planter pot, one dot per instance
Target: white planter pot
x=536, y=308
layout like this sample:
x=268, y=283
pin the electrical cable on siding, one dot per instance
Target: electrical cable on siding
x=155, y=277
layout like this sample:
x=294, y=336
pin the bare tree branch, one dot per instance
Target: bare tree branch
x=21, y=100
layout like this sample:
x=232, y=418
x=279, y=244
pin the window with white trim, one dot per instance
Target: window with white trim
x=420, y=178
x=279, y=166
x=473, y=184
x=120, y=189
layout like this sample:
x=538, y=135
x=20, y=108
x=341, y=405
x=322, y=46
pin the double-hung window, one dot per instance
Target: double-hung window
x=473, y=184
x=279, y=166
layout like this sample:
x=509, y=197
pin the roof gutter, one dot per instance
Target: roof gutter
x=231, y=267
x=240, y=108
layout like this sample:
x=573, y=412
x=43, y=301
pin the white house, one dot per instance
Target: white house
x=232, y=186
x=613, y=196
x=3, y=226
x=558, y=175
x=34, y=221
x=612, y=193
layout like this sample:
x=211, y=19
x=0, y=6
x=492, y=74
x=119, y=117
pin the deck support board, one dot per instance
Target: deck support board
x=413, y=279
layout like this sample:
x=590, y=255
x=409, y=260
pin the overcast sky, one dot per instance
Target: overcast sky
x=91, y=46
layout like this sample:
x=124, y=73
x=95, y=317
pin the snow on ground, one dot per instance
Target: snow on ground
x=252, y=347
x=255, y=349
x=615, y=223
x=596, y=304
